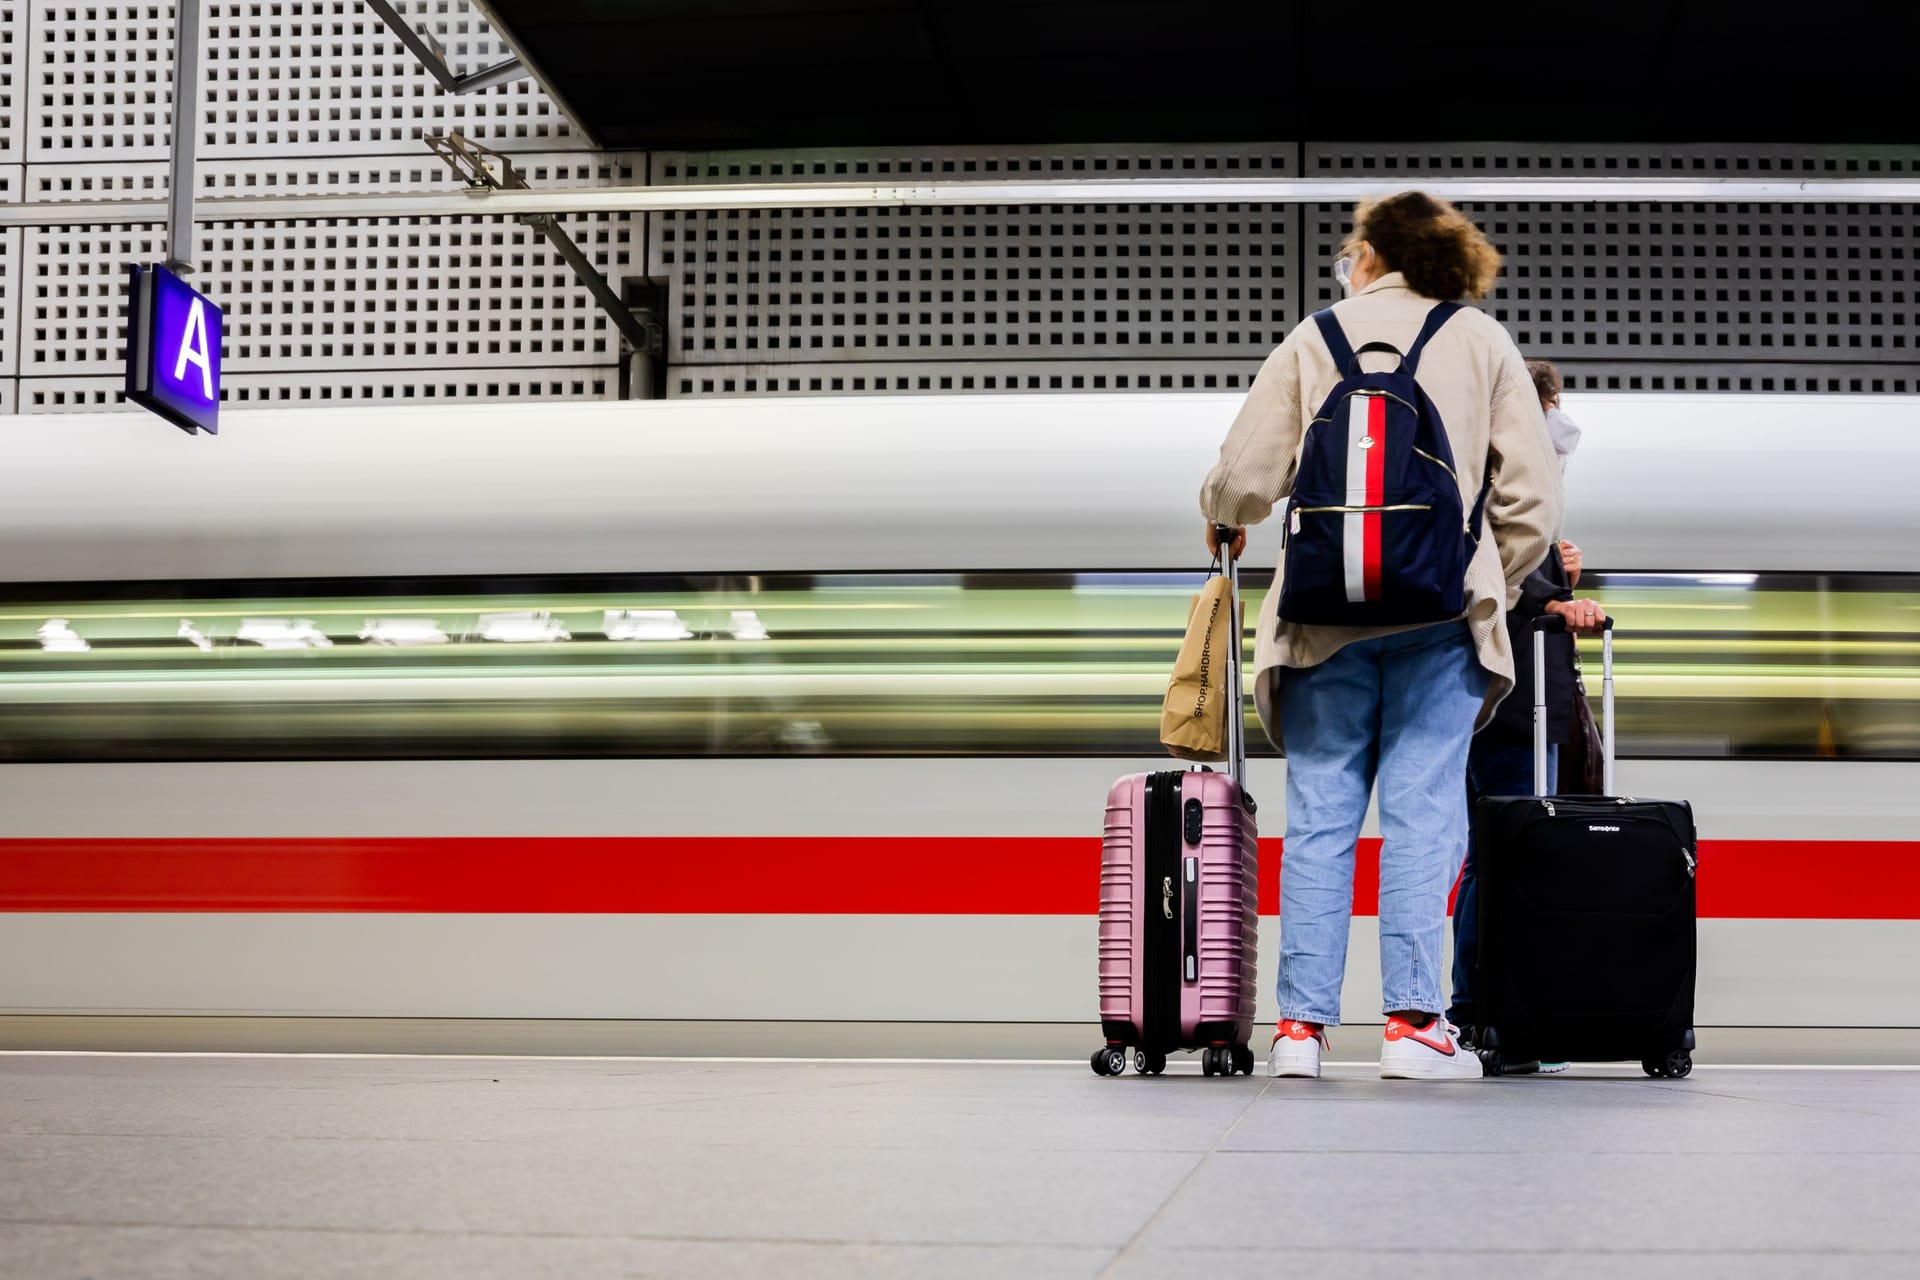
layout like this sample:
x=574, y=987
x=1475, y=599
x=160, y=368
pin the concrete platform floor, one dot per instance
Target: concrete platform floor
x=156, y=1167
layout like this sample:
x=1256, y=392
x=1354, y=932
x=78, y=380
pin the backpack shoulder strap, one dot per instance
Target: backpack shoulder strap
x=1474, y=530
x=1336, y=339
x=1441, y=313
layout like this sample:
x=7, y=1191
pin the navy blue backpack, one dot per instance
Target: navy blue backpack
x=1375, y=535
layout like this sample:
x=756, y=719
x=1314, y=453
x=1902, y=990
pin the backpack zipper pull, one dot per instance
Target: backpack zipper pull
x=1692, y=862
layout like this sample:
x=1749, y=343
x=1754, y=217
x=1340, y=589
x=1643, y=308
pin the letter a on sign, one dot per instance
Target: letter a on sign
x=173, y=350
x=193, y=349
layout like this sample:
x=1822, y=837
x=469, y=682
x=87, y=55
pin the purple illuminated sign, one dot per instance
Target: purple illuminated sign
x=173, y=350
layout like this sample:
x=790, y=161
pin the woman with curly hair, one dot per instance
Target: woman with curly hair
x=1356, y=706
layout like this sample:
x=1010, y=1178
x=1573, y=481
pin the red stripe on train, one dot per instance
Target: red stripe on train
x=1795, y=879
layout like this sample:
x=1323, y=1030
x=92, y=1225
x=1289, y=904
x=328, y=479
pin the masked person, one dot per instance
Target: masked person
x=1564, y=432
x=1501, y=760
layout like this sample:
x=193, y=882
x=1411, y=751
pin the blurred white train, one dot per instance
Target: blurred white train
x=804, y=709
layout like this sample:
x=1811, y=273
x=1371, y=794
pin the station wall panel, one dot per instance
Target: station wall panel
x=427, y=386
x=304, y=96
x=1678, y=289
x=1770, y=376
x=995, y=288
x=937, y=377
x=1782, y=297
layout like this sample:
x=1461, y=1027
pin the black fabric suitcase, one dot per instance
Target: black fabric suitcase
x=1587, y=937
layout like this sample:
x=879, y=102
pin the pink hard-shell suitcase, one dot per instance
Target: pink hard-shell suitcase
x=1179, y=906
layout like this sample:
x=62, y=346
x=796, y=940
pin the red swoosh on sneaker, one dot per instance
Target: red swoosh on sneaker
x=1419, y=1034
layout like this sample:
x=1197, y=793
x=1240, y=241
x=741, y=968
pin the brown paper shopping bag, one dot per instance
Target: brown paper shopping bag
x=1193, y=720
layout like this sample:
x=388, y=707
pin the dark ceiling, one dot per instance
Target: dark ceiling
x=697, y=74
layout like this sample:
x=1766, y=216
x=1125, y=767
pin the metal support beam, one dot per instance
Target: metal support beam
x=186, y=136
x=1143, y=191
x=434, y=59
x=638, y=336
x=483, y=169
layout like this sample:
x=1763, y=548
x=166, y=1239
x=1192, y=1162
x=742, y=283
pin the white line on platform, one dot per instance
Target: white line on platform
x=827, y=1061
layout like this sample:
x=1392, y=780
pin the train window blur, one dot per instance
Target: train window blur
x=1710, y=665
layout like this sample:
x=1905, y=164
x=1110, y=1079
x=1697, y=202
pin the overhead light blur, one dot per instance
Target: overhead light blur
x=1698, y=579
x=402, y=631
x=522, y=628
x=644, y=624
x=201, y=640
x=57, y=637
x=283, y=633
x=747, y=625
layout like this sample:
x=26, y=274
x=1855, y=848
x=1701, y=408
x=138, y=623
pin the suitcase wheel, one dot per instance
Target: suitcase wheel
x=1149, y=1064
x=1224, y=1060
x=1493, y=1062
x=1673, y=1065
x=1243, y=1059
x=1110, y=1061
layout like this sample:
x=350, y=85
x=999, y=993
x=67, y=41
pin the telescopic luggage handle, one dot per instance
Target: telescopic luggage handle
x=1236, y=718
x=1554, y=623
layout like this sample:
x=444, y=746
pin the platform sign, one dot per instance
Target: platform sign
x=173, y=350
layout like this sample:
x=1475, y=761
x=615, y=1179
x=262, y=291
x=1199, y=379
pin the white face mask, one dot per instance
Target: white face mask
x=1343, y=272
x=1566, y=435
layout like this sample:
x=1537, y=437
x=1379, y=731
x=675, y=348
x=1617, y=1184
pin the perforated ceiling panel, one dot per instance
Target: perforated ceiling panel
x=1762, y=297
x=276, y=72
x=302, y=97
x=9, y=301
x=12, y=133
x=775, y=298
x=368, y=295
x=74, y=296
x=323, y=175
x=278, y=77
x=11, y=151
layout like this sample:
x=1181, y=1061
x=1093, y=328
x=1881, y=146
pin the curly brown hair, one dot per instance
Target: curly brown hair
x=1546, y=380
x=1439, y=250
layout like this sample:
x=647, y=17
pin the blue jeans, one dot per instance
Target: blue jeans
x=1399, y=709
x=1497, y=766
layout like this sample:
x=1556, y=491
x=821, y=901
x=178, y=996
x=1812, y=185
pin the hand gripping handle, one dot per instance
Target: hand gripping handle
x=1236, y=717
x=1553, y=623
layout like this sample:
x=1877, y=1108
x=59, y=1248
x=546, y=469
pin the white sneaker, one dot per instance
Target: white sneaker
x=1296, y=1049
x=1432, y=1052
x=1553, y=1068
